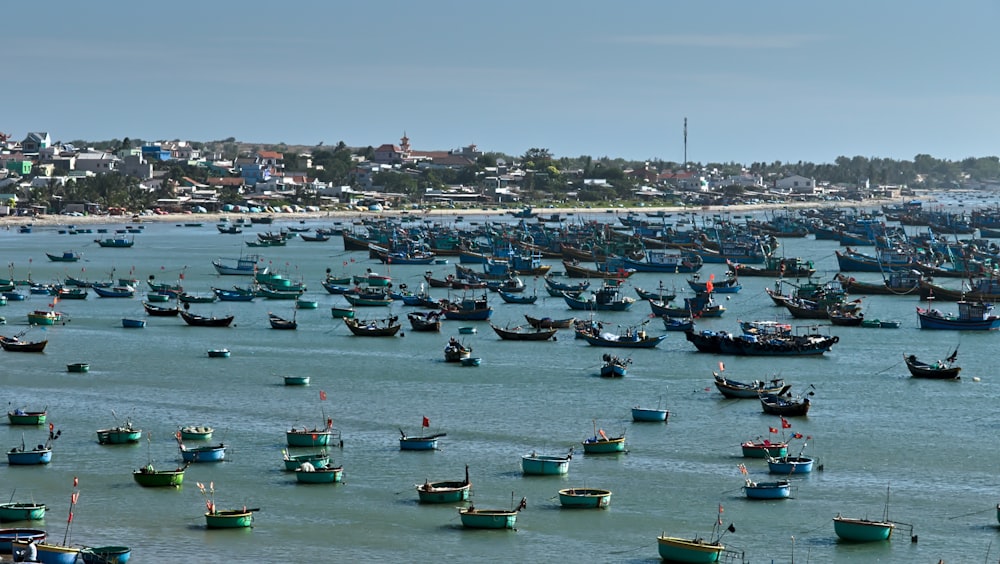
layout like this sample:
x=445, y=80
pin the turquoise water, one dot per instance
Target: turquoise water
x=932, y=443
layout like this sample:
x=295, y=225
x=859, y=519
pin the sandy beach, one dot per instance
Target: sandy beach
x=341, y=215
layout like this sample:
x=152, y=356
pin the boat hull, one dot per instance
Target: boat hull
x=604, y=446
x=318, y=460
x=325, y=475
x=26, y=418
x=22, y=512
x=443, y=492
x=232, y=519
x=640, y=414
x=192, y=433
x=418, y=443
x=118, y=436
x=159, y=478
x=759, y=450
x=488, y=518
x=790, y=465
x=29, y=458
x=313, y=438
x=204, y=454
x=106, y=555
x=860, y=530
x=581, y=498
x=49, y=553
x=674, y=549
x=781, y=489
x=7, y=536
x=535, y=465
x=296, y=380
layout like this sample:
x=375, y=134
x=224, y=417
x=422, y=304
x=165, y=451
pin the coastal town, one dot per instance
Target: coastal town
x=42, y=176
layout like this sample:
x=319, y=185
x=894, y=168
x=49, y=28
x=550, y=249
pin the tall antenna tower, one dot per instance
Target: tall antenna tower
x=685, y=142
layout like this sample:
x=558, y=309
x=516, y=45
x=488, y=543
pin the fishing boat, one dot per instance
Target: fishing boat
x=46, y=552
x=698, y=550
x=509, y=298
x=66, y=256
x=549, y=323
x=606, y=298
x=524, y=333
x=535, y=464
x=246, y=265
x=467, y=309
x=219, y=353
x=306, y=304
x=40, y=454
x=208, y=453
x=160, y=311
x=318, y=459
x=454, y=491
x=455, y=351
x=158, y=297
x=121, y=435
x=44, y=317
x=195, y=320
x=9, y=535
x=585, y=498
x=281, y=323
x=114, y=291
x=196, y=433
x=972, y=316
x=428, y=322
x=387, y=327
x=730, y=285
x=307, y=473
x=105, y=554
x=15, y=344
x=129, y=323
x=561, y=287
x=22, y=417
x=866, y=530
x=71, y=293
x=631, y=338
x=116, y=242
x=235, y=295
x=785, y=405
x=778, y=489
x=601, y=443
x=341, y=312
x=614, y=367
x=790, y=464
x=21, y=511
x=650, y=415
x=734, y=389
x=939, y=370
x=428, y=442
x=150, y=477
x=296, y=380
x=229, y=518
x=189, y=298
x=763, y=448
x=473, y=518
x=306, y=437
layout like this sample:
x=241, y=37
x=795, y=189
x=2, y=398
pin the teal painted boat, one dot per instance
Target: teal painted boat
x=587, y=498
x=122, y=435
x=306, y=437
x=105, y=554
x=309, y=474
x=601, y=443
x=22, y=417
x=318, y=459
x=341, y=312
x=78, y=367
x=862, y=530
x=229, y=519
x=696, y=551
x=49, y=553
x=445, y=491
x=22, y=511
x=473, y=518
x=149, y=477
x=306, y=304
x=545, y=465
x=196, y=433
x=296, y=380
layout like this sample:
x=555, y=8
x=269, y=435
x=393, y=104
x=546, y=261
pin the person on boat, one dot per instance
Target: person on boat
x=30, y=552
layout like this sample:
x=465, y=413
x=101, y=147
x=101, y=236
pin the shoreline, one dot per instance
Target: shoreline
x=218, y=217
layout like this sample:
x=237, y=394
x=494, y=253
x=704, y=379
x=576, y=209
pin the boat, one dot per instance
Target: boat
x=939, y=370
x=44, y=317
x=160, y=311
x=307, y=473
x=845, y=317
x=509, y=298
x=472, y=361
x=524, y=333
x=71, y=293
x=574, y=270
x=341, y=312
x=897, y=283
x=46, y=552
x=866, y=530
x=775, y=267
x=219, y=353
x=150, y=477
x=429, y=442
x=229, y=518
x=650, y=415
x=467, y=330
x=735, y=389
x=306, y=304
x=306, y=437
x=281, y=323
x=208, y=453
x=549, y=323
x=66, y=256
x=22, y=417
x=246, y=265
x=630, y=338
x=158, y=297
x=105, y=554
x=202, y=321
x=296, y=380
x=785, y=405
x=114, y=291
x=234, y=295
x=368, y=298
x=454, y=491
x=318, y=459
x=559, y=288
x=778, y=489
x=40, y=454
x=467, y=309
x=473, y=518
x=697, y=550
x=15, y=344
x=535, y=464
x=972, y=316
x=121, y=435
x=764, y=448
x=129, y=323
x=21, y=511
x=318, y=238
x=677, y=323
x=430, y=321
x=387, y=327
x=761, y=345
x=455, y=351
x=116, y=242
x=585, y=498
x=196, y=433
x=601, y=443
x=606, y=298
x=189, y=298
x=790, y=464
x=8, y=535
x=614, y=367
x=661, y=260
x=730, y=285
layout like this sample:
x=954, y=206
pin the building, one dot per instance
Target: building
x=36, y=141
x=796, y=184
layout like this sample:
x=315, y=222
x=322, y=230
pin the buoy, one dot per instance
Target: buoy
x=975, y=378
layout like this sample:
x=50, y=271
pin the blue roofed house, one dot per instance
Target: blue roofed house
x=156, y=153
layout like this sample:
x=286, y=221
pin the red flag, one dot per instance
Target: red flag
x=785, y=424
x=797, y=436
x=722, y=367
x=70, y=519
x=772, y=429
x=322, y=395
x=767, y=442
x=709, y=287
x=181, y=276
x=427, y=422
x=52, y=428
x=76, y=481
x=720, y=513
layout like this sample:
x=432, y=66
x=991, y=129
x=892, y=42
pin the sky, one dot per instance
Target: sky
x=761, y=81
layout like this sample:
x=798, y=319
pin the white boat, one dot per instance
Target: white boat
x=244, y=266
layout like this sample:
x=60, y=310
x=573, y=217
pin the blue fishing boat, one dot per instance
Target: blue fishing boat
x=115, y=291
x=509, y=298
x=779, y=489
x=233, y=295
x=66, y=256
x=40, y=454
x=246, y=265
x=7, y=536
x=972, y=316
x=629, y=340
x=614, y=367
x=660, y=260
x=429, y=442
x=730, y=285
x=116, y=242
x=368, y=298
x=208, y=453
x=468, y=309
x=130, y=323
x=545, y=465
x=790, y=464
x=48, y=553
x=648, y=414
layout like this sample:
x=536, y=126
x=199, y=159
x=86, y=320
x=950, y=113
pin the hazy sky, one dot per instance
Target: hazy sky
x=757, y=81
